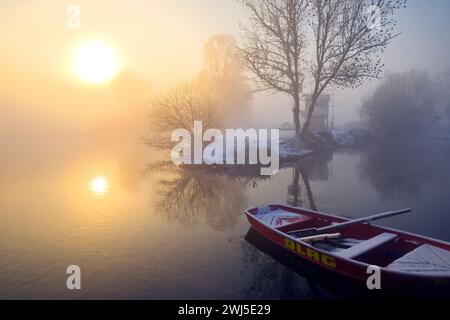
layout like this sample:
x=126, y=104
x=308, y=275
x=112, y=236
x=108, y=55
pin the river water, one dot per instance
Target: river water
x=145, y=229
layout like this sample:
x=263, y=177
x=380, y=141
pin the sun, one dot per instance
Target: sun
x=99, y=185
x=95, y=63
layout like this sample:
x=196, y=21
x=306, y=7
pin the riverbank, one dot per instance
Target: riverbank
x=292, y=148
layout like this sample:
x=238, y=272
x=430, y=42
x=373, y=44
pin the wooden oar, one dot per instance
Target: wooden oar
x=316, y=231
x=320, y=237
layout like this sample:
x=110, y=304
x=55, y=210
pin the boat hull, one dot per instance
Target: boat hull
x=353, y=269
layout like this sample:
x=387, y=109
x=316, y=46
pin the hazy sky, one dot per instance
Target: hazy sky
x=160, y=42
x=424, y=44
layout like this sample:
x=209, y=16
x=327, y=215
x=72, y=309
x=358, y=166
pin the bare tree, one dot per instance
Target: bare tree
x=220, y=58
x=212, y=96
x=178, y=108
x=223, y=75
x=349, y=37
x=274, y=45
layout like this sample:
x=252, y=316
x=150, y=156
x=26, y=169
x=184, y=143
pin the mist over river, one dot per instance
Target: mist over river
x=158, y=231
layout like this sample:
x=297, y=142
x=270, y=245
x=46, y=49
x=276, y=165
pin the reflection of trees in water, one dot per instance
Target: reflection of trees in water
x=405, y=169
x=268, y=279
x=295, y=196
x=273, y=273
x=188, y=195
x=300, y=192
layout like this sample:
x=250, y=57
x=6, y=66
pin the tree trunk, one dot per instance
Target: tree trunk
x=308, y=117
x=296, y=114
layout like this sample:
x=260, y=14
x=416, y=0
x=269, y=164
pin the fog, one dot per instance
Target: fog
x=61, y=134
x=159, y=43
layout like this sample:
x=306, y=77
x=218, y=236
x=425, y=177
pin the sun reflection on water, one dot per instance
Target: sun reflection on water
x=99, y=186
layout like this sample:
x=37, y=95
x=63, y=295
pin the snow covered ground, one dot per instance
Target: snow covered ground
x=349, y=137
x=291, y=149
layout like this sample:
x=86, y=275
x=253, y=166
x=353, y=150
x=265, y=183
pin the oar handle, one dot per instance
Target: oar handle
x=320, y=237
x=365, y=219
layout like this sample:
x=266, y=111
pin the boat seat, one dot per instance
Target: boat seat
x=367, y=245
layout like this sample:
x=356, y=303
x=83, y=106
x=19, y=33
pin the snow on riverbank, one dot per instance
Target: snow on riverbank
x=349, y=137
x=292, y=148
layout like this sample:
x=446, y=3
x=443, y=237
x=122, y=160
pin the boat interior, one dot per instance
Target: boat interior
x=362, y=242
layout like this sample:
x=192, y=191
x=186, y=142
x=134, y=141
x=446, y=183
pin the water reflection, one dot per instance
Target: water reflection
x=300, y=192
x=353, y=183
x=133, y=242
x=99, y=186
x=187, y=194
x=403, y=170
x=281, y=275
x=295, y=197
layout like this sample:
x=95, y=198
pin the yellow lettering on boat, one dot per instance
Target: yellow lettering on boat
x=310, y=253
x=328, y=261
x=300, y=249
x=289, y=243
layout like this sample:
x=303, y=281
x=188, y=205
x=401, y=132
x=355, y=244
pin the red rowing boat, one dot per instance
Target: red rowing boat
x=404, y=259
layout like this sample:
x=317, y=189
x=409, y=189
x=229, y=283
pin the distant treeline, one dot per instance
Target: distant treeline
x=408, y=103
